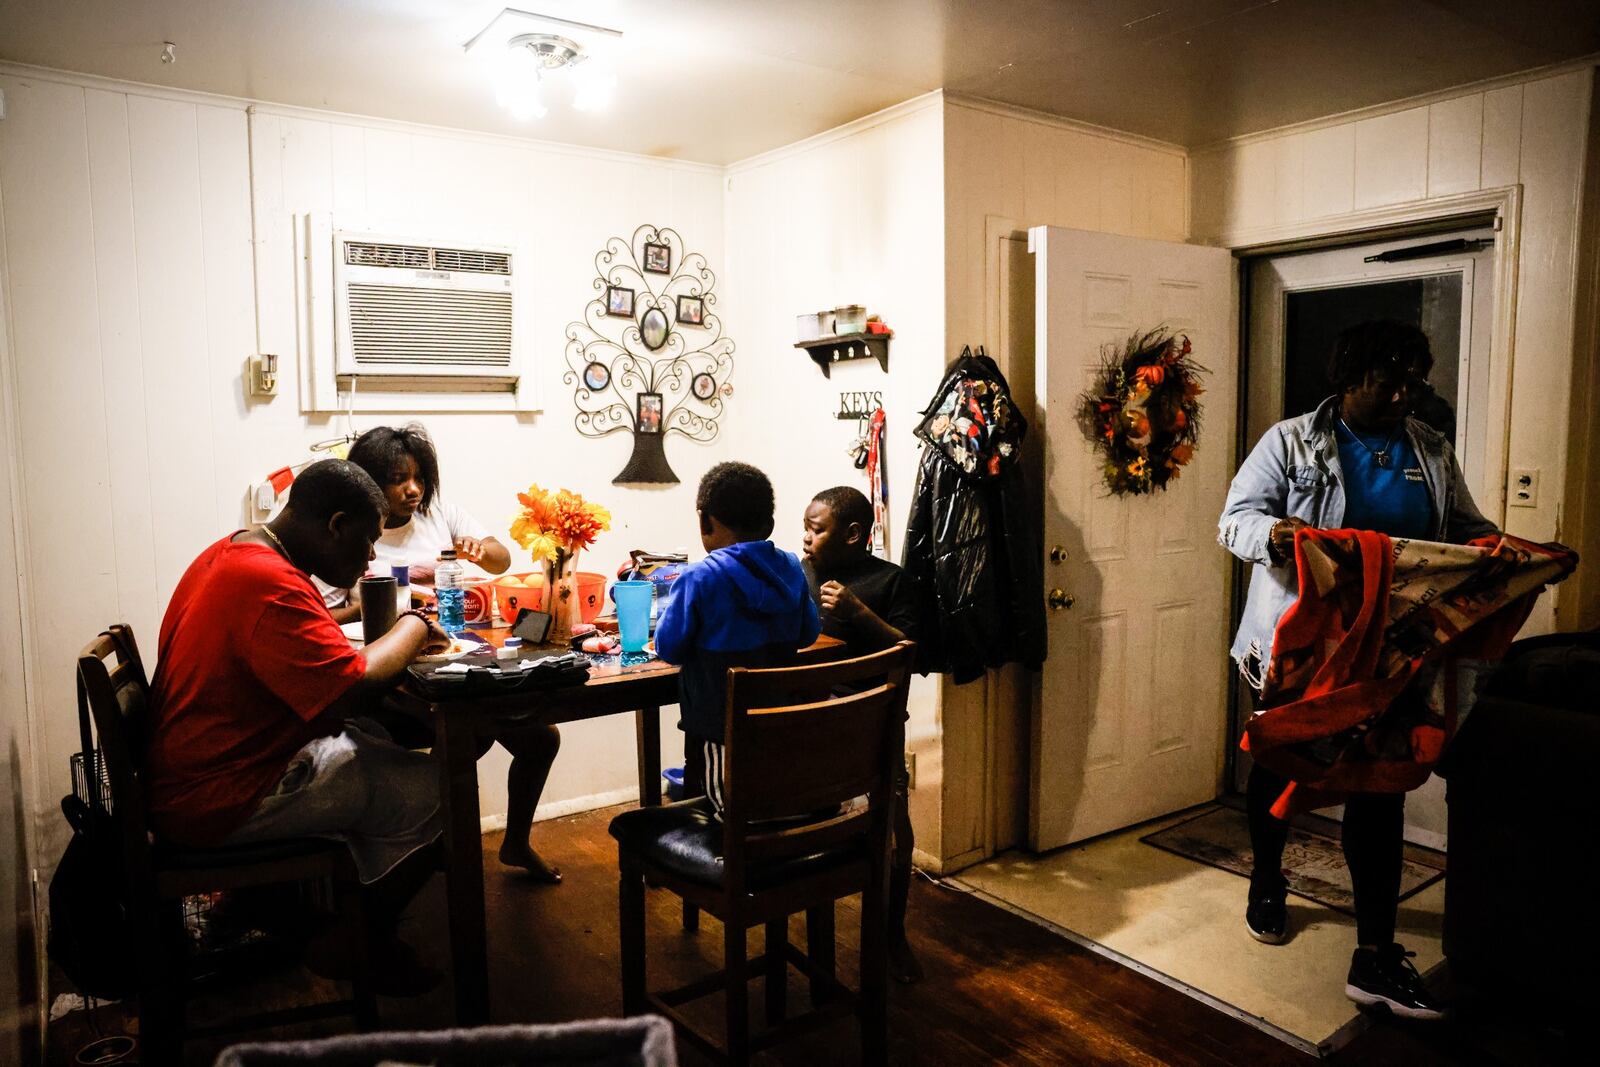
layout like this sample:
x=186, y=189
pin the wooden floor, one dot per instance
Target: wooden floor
x=999, y=989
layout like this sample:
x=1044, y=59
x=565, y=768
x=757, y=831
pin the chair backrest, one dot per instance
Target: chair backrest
x=119, y=702
x=794, y=749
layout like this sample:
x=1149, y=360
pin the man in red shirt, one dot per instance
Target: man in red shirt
x=253, y=687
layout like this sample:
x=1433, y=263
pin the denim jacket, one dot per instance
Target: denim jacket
x=1294, y=472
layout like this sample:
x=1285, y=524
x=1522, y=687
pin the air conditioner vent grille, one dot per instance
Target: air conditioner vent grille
x=370, y=254
x=471, y=260
x=393, y=325
x=420, y=257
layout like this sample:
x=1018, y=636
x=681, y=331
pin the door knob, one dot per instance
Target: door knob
x=1060, y=599
x=1058, y=555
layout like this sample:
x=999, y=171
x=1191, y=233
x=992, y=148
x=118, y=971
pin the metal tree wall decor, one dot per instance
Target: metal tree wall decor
x=649, y=357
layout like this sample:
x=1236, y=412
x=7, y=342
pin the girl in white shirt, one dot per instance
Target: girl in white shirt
x=420, y=526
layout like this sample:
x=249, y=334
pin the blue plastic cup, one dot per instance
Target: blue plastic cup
x=633, y=613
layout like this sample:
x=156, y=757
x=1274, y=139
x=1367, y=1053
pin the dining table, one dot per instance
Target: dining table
x=641, y=686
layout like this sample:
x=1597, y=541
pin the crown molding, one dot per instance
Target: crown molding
x=1061, y=122
x=1390, y=107
x=266, y=107
x=916, y=104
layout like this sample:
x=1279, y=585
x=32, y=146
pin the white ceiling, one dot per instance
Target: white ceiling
x=721, y=80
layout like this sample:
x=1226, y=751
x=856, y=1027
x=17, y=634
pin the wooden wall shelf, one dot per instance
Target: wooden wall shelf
x=826, y=351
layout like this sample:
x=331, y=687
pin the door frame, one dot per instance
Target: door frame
x=1501, y=208
x=1010, y=692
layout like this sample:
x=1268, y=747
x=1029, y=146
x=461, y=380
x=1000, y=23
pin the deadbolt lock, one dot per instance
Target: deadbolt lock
x=1060, y=600
x=1058, y=555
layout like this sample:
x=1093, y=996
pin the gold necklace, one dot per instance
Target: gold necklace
x=274, y=538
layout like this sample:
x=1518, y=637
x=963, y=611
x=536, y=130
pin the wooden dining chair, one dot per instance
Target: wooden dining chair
x=794, y=837
x=157, y=877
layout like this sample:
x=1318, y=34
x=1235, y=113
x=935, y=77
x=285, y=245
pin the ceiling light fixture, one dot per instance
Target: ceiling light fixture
x=524, y=65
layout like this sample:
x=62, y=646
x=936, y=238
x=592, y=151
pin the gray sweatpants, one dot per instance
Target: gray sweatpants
x=381, y=800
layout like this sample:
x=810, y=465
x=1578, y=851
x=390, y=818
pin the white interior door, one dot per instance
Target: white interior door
x=1132, y=718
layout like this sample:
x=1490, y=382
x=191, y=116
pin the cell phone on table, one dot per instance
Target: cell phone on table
x=532, y=626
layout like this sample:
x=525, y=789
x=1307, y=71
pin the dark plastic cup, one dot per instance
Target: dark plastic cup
x=633, y=613
x=378, y=612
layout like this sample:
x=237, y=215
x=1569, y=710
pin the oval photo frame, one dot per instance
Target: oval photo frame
x=653, y=328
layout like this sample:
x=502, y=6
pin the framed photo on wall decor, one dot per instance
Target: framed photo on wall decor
x=691, y=310
x=657, y=258
x=704, y=386
x=596, y=376
x=619, y=301
x=649, y=416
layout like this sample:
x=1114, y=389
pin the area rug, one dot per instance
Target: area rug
x=1313, y=862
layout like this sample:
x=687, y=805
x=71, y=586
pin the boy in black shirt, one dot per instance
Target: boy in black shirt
x=867, y=603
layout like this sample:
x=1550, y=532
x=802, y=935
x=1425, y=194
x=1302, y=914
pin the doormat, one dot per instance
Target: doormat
x=1313, y=862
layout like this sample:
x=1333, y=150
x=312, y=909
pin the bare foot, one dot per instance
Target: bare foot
x=529, y=860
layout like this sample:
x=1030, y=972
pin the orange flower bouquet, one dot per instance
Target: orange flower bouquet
x=554, y=527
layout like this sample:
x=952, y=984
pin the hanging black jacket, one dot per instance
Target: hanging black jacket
x=969, y=544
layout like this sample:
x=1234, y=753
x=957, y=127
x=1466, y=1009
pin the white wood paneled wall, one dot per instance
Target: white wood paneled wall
x=132, y=309
x=852, y=217
x=1008, y=170
x=1031, y=170
x=1534, y=133
x=1454, y=145
x=18, y=772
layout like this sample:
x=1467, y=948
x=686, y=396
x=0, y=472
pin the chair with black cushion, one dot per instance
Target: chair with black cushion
x=795, y=837
x=158, y=877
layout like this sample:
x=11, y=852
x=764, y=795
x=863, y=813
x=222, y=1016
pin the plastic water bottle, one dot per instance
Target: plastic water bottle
x=452, y=597
x=402, y=587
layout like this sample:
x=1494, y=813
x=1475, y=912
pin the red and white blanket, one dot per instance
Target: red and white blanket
x=1362, y=693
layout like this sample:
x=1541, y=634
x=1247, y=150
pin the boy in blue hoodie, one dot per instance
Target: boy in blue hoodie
x=747, y=604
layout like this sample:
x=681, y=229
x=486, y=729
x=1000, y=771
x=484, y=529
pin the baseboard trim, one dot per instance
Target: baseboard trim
x=571, y=806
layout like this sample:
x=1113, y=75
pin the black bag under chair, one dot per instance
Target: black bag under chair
x=91, y=937
x=1519, y=917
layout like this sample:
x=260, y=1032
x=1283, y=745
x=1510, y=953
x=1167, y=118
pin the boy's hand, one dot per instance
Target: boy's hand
x=838, y=601
x=469, y=549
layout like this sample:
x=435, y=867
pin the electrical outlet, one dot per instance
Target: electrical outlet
x=264, y=497
x=911, y=770
x=1524, y=488
x=264, y=375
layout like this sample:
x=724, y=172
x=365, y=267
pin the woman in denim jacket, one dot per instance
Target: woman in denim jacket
x=1357, y=461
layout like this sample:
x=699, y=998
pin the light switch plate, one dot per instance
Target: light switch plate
x=1523, y=491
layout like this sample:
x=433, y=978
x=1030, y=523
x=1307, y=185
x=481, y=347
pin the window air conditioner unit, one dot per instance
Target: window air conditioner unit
x=410, y=315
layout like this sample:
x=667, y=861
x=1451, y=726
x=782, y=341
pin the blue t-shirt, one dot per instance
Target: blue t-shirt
x=1391, y=498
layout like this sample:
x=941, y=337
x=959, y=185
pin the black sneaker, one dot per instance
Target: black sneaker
x=1267, y=917
x=1387, y=976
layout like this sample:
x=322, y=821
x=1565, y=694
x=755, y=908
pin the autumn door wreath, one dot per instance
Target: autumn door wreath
x=1143, y=412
